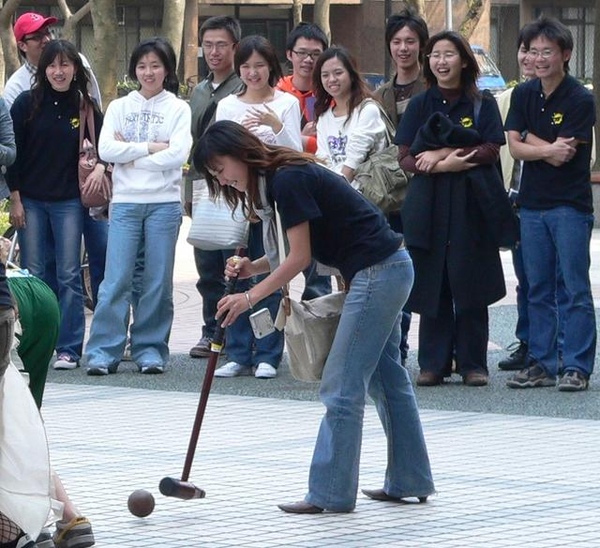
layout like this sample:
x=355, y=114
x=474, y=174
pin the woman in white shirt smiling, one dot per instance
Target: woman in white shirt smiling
x=348, y=127
x=274, y=117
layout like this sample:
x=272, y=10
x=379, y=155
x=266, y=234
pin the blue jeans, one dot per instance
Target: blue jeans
x=95, y=236
x=64, y=221
x=550, y=236
x=366, y=356
x=241, y=346
x=315, y=285
x=153, y=228
x=210, y=266
x=522, y=328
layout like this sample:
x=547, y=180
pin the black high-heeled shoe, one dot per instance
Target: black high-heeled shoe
x=380, y=494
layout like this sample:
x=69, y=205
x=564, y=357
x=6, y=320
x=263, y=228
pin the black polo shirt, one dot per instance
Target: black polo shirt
x=568, y=112
x=460, y=111
x=346, y=230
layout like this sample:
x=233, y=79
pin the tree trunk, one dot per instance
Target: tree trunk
x=474, y=11
x=189, y=66
x=7, y=39
x=418, y=6
x=71, y=19
x=297, y=11
x=596, y=78
x=321, y=16
x=106, y=42
x=172, y=23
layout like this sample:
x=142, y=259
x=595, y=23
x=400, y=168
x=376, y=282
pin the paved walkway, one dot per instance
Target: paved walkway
x=503, y=480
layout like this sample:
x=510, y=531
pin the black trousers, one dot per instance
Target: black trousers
x=462, y=334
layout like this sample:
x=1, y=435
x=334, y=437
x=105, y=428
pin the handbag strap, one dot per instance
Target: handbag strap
x=86, y=119
x=285, y=290
x=390, y=130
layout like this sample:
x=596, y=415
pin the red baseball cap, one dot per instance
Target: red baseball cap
x=31, y=22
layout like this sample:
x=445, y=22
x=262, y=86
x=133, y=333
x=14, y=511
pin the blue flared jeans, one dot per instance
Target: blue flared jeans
x=365, y=358
x=153, y=228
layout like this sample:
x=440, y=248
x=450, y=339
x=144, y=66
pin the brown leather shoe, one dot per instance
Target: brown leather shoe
x=475, y=378
x=380, y=494
x=427, y=378
x=301, y=507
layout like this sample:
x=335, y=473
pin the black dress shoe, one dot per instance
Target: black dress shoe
x=380, y=494
x=300, y=507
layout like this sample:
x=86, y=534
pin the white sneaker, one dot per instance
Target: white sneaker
x=64, y=362
x=233, y=369
x=265, y=371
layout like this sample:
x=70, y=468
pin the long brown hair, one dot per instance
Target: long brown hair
x=62, y=49
x=359, y=90
x=227, y=138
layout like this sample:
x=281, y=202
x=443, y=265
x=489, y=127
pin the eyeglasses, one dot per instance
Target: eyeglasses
x=304, y=54
x=544, y=54
x=38, y=36
x=446, y=55
x=219, y=46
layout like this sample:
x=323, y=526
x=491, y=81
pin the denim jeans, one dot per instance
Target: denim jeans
x=549, y=236
x=153, y=228
x=366, y=356
x=64, y=221
x=522, y=328
x=210, y=266
x=241, y=346
x=95, y=236
x=315, y=285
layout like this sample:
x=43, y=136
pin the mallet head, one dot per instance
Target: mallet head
x=171, y=487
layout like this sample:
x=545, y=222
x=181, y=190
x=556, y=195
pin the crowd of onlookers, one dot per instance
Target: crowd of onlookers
x=462, y=148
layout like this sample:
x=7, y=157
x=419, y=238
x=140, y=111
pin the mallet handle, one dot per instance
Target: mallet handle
x=215, y=351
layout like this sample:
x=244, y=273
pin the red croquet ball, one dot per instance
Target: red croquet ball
x=140, y=503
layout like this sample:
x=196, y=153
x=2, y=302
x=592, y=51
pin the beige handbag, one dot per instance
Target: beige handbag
x=310, y=326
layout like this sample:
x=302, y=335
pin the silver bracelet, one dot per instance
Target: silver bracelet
x=250, y=307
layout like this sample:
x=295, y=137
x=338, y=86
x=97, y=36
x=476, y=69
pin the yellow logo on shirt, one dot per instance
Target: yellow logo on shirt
x=466, y=122
x=74, y=122
x=557, y=118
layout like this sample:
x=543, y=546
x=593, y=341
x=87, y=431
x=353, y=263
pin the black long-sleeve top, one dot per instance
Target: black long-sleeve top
x=47, y=146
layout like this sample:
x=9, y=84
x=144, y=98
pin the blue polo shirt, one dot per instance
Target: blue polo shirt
x=346, y=230
x=461, y=111
x=568, y=112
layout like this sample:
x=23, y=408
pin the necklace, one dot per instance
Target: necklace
x=404, y=91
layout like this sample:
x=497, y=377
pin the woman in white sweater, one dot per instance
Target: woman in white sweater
x=349, y=123
x=274, y=117
x=147, y=136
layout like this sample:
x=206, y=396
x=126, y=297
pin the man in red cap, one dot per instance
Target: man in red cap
x=32, y=33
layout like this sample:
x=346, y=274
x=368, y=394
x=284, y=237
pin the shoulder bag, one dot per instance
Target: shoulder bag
x=88, y=158
x=214, y=225
x=379, y=178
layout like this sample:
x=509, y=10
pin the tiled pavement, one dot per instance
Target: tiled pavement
x=502, y=480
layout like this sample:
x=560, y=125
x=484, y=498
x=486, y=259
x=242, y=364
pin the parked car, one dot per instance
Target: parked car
x=490, y=77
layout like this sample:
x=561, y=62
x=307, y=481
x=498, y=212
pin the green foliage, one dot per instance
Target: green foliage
x=4, y=224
